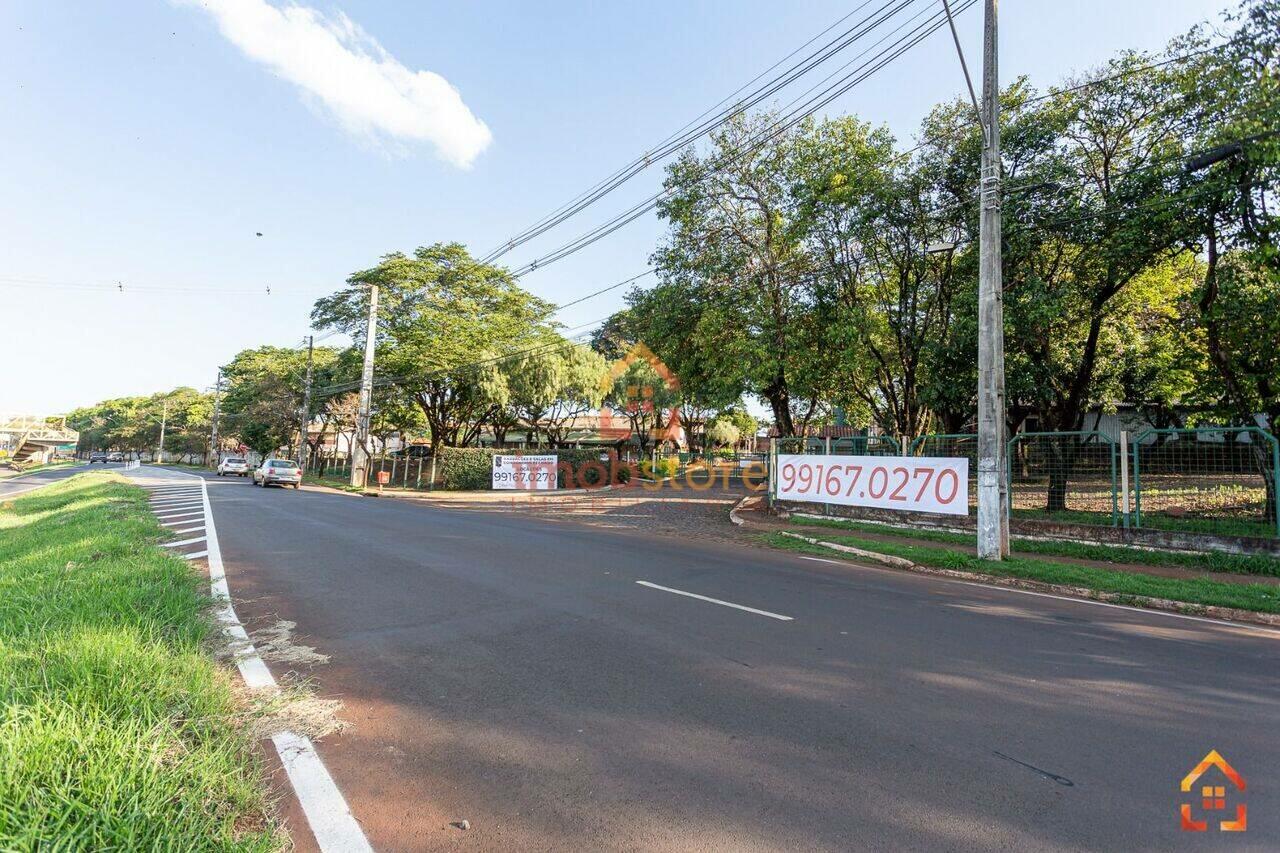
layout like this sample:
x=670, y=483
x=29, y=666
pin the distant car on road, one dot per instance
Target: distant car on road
x=237, y=465
x=98, y=456
x=414, y=451
x=282, y=472
x=116, y=456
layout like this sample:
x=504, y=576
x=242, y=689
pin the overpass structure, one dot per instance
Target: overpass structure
x=32, y=440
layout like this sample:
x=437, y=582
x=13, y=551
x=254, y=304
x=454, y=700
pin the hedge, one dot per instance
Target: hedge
x=470, y=468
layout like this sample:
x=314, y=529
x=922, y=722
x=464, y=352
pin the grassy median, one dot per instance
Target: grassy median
x=1210, y=561
x=1263, y=598
x=117, y=730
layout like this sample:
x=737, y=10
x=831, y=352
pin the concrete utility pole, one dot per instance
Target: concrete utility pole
x=993, y=519
x=217, y=408
x=305, y=419
x=164, y=419
x=360, y=453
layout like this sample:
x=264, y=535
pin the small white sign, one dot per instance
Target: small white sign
x=527, y=473
x=909, y=483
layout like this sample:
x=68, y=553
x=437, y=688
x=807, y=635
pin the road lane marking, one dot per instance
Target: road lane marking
x=181, y=514
x=188, y=529
x=335, y=828
x=182, y=542
x=195, y=555
x=778, y=616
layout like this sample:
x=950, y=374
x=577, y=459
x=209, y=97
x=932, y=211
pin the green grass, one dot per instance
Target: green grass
x=1205, y=562
x=117, y=730
x=9, y=473
x=1257, y=597
x=1156, y=521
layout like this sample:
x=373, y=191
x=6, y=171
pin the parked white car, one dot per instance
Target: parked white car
x=237, y=465
x=282, y=472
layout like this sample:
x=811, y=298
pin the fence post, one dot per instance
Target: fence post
x=1115, y=515
x=431, y=480
x=1275, y=478
x=826, y=507
x=418, y=483
x=773, y=472
x=1137, y=479
x=1124, y=477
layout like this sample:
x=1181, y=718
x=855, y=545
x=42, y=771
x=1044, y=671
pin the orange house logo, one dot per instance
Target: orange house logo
x=640, y=398
x=1213, y=798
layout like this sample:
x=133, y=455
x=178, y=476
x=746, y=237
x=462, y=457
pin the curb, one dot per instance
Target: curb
x=739, y=521
x=1209, y=611
x=443, y=494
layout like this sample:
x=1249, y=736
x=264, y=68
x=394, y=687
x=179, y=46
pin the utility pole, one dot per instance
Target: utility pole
x=217, y=408
x=993, y=519
x=164, y=418
x=360, y=452
x=305, y=420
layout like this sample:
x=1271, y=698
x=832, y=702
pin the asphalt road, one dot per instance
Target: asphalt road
x=15, y=486
x=512, y=672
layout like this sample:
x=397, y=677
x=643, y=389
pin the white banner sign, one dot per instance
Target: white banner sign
x=529, y=473
x=910, y=483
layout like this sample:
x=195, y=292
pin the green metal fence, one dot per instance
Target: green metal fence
x=956, y=444
x=1070, y=477
x=1216, y=481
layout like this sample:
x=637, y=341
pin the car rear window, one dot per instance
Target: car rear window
x=283, y=463
x=235, y=460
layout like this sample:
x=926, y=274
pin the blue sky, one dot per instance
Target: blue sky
x=148, y=142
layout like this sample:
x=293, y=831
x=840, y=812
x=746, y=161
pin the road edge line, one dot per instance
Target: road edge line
x=328, y=815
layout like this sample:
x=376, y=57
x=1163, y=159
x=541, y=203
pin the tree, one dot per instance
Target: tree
x=723, y=432
x=734, y=263
x=551, y=387
x=262, y=404
x=448, y=329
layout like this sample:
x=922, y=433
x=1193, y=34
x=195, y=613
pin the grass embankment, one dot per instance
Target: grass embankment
x=10, y=473
x=117, y=730
x=1127, y=585
x=1156, y=520
x=1210, y=561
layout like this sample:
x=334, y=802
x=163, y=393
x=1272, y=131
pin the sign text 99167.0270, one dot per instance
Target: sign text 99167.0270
x=914, y=484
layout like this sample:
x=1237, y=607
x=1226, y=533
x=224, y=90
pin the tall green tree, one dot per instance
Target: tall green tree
x=448, y=327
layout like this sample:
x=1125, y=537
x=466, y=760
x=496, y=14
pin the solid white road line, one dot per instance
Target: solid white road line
x=717, y=601
x=334, y=827
x=182, y=542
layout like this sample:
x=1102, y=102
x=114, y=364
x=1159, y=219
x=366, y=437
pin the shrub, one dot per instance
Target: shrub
x=471, y=468
x=665, y=468
x=466, y=468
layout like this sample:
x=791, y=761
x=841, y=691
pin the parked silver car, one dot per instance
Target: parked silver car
x=237, y=465
x=282, y=472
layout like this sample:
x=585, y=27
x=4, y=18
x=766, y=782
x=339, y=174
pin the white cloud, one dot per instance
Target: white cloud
x=344, y=69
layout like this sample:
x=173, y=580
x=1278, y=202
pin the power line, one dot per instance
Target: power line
x=698, y=128
x=787, y=121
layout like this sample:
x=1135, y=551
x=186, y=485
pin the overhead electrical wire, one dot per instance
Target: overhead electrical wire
x=699, y=127
x=785, y=122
